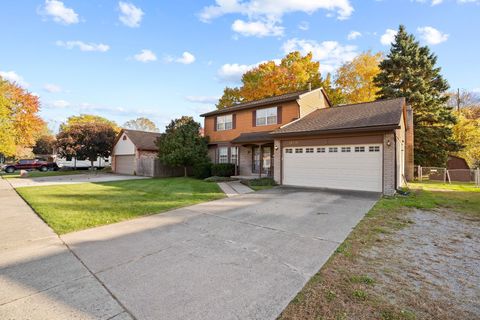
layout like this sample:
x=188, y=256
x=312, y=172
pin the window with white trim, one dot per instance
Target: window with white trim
x=266, y=116
x=309, y=150
x=288, y=150
x=298, y=150
x=359, y=149
x=224, y=122
x=346, y=149
x=321, y=150
x=333, y=149
x=233, y=155
x=223, y=155
x=374, y=149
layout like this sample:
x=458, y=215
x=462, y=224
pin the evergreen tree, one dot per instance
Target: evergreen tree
x=410, y=71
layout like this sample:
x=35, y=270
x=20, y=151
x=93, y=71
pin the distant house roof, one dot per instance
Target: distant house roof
x=263, y=136
x=266, y=101
x=142, y=140
x=375, y=115
x=455, y=162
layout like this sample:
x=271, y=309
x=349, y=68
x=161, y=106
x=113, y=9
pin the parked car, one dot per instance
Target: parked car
x=30, y=164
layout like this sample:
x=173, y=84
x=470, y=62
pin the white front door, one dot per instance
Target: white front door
x=349, y=167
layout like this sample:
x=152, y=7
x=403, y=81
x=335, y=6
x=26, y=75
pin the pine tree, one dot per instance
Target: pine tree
x=410, y=71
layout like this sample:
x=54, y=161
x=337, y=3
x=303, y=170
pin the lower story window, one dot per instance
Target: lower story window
x=223, y=155
x=233, y=155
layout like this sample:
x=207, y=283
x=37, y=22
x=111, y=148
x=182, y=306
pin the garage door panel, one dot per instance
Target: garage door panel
x=125, y=164
x=339, y=170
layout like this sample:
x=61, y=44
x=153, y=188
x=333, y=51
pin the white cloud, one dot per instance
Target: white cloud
x=131, y=16
x=304, y=26
x=145, y=56
x=274, y=9
x=233, y=72
x=431, y=35
x=52, y=88
x=12, y=76
x=432, y=2
x=83, y=46
x=202, y=99
x=331, y=54
x=60, y=104
x=257, y=28
x=186, y=58
x=388, y=37
x=59, y=13
x=353, y=35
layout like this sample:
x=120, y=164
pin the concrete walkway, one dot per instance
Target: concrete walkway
x=234, y=188
x=40, y=278
x=70, y=179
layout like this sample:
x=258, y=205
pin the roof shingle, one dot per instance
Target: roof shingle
x=143, y=140
x=375, y=114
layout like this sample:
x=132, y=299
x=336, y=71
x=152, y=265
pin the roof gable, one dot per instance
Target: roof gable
x=142, y=140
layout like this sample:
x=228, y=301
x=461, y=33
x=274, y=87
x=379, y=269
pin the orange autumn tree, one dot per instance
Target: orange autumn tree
x=19, y=116
x=294, y=72
x=355, y=78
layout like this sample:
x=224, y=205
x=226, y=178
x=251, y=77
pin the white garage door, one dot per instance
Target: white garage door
x=350, y=167
x=125, y=164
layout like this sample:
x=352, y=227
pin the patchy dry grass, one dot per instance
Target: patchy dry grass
x=411, y=257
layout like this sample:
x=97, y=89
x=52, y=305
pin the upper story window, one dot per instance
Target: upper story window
x=266, y=116
x=224, y=122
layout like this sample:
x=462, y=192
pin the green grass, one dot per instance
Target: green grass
x=38, y=174
x=344, y=287
x=68, y=208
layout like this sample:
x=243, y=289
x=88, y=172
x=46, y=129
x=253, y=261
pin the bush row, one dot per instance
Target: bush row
x=202, y=170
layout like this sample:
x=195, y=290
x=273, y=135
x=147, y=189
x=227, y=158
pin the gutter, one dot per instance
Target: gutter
x=333, y=131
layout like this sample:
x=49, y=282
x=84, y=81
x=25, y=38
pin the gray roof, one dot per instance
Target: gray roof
x=143, y=140
x=246, y=105
x=263, y=136
x=375, y=115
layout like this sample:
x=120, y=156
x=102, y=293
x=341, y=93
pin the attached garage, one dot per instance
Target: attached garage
x=364, y=147
x=125, y=164
x=349, y=167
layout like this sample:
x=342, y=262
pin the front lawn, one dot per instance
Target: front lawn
x=407, y=259
x=68, y=208
x=39, y=174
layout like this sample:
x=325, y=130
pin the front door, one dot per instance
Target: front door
x=262, y=160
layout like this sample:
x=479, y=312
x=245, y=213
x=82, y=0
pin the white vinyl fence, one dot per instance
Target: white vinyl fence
x=448, y=175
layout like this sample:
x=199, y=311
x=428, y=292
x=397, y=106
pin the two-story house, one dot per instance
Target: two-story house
x=300, y=139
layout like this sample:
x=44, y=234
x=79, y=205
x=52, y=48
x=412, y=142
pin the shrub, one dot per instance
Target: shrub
x=223, y=169
x=260, y=182
x=218, y=179
x=202, y=169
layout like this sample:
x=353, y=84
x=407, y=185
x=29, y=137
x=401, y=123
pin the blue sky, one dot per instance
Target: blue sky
x=164, y=59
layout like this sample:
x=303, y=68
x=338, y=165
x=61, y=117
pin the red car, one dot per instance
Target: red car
x=31, y=164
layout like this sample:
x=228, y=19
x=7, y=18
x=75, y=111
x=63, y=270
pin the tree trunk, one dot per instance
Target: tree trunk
x=184, y=171
x=91, y=165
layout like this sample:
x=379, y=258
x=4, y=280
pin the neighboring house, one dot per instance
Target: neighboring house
x=455, y=163
x=300, y=139
x=134, y=152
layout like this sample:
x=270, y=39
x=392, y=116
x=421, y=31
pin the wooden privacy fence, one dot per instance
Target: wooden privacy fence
x=152, y=167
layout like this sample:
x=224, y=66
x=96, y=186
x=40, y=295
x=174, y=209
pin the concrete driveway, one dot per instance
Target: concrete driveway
x=244, y=257
x=70, y=179
x=239, y=258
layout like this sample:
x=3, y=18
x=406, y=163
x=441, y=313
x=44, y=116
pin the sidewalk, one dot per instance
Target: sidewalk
x=39, y=276
x=234, y=188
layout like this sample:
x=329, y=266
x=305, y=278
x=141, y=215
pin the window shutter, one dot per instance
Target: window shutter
x=254, y=118
x=215, y=124
x=234, y=121
x=279, y=114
